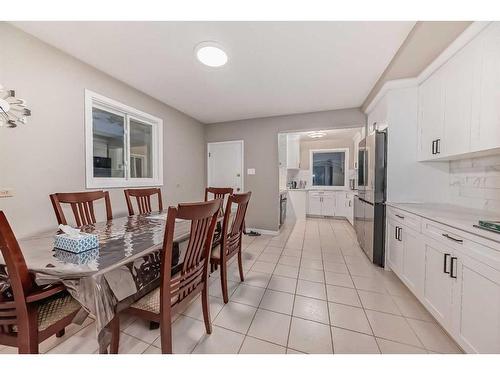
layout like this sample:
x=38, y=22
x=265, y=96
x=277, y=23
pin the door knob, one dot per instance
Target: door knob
x=238, y=175
x=237, y=189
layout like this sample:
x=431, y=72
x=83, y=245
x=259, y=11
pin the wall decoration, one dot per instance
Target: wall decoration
x=13, y=111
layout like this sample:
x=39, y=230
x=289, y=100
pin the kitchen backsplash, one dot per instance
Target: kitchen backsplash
x=476, y=183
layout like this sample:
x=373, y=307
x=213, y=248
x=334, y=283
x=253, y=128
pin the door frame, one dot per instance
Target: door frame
x=242, y=143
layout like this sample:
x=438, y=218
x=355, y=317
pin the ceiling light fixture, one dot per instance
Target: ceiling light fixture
x=211, y=54
x=316, y=134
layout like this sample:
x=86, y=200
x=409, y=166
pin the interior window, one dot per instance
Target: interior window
x=328, y=168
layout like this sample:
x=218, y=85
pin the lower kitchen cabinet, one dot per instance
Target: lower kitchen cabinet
x=331, y=203
x=476, y=319
x=438, y=285
x=454, y=277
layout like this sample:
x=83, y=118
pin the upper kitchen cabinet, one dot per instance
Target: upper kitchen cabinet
x=485, y=131
x=356, y=139
x=431, y=115
x=458, y=104
x=293, y=151
x=282, y=146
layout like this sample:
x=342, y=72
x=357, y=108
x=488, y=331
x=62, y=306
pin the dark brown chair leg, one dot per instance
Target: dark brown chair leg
x=166, y=332
x=61, y=333
x=206, y=309
x=223, y=281
x=240, y=266
x=28, y=334
x=153, y=325
x=115, y=335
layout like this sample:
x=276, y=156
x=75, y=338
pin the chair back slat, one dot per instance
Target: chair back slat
x=143, y=199
x=218, y=193
x=19, y=277
x=232, y=232
x=82, y=205
x=203, y=217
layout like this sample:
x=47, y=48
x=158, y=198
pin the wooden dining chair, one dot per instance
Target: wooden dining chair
x=218, y=193
x=82, y=205
x=143, y=198
x=230, y=243
x=176, y=291
x=29, y=314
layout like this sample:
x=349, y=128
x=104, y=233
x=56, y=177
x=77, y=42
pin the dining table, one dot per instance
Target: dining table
x=108, y=279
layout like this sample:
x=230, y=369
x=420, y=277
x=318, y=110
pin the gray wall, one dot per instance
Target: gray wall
x=48, y=154
x=261, y=152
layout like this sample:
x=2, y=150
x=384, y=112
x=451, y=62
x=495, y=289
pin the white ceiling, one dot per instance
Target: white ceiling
x=274, y=68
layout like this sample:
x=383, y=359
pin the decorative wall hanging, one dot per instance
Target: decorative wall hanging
x=13, y=111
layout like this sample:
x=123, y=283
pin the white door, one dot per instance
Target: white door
x=225, y=165
x=328, y=205
x=395, y=247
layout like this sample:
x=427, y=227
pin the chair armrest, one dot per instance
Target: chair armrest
x=41, y=294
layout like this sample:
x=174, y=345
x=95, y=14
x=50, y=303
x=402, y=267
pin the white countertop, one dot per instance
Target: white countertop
x=458, y=217
x=316, y=189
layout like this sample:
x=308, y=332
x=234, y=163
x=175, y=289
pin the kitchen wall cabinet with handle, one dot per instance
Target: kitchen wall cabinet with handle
x=458, y=111
x=293, y=151
x=455, y=275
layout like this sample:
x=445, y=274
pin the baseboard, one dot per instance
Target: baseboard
x=264, y=231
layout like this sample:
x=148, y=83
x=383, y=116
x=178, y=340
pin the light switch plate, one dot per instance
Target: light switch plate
x=5, y=193
x=251, y=171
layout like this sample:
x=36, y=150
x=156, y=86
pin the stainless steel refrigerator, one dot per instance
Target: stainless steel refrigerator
x=369, y=204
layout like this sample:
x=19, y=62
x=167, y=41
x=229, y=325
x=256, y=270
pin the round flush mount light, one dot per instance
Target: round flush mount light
x=316, y=134
x=211, y=54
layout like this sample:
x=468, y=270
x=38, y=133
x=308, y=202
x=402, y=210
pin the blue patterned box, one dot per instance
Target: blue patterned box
x=80, y=258
x=83, y=242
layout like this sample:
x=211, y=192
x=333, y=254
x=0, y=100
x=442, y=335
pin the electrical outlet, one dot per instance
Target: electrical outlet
x=5, y=193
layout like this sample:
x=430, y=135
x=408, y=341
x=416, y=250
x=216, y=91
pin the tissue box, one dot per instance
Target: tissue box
x=80, y=258
x=83, y=242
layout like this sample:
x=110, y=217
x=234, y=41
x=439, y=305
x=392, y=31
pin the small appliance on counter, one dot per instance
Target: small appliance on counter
x=492, y=226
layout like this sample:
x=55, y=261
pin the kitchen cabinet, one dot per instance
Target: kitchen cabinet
x=438, y=285
x=293, y=151
x=356, y=139
x=455, y=275
x=282, y=146
x=485, y=130
x=458, y=111
x=321, y=203
x=477, y=306
x=431, y=116
x=395, y=247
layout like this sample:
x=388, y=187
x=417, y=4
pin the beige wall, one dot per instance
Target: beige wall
x=48, y=154
x=261, y=152
x=306, y=146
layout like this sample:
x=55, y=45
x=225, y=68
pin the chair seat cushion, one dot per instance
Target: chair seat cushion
x=56, y=308
x=151, y=302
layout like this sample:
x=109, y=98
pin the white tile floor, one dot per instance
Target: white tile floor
x=309, y=290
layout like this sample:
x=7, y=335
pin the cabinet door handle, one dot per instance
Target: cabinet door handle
x=452, y=238
x=433, y=147
x=438, y=146
x=400, y=230
x=401, y=217
x=396, y=232
x=445, y=263
x=452, y=267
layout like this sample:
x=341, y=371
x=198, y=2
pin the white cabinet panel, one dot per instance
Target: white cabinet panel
x=460, y=73
x=328, y=205
x=394, y=247
x=315, y=204
x=430, y=114
x=438, y=287
x=413, y=261
x=477, y=306
x=293, y=151
x=485, y=132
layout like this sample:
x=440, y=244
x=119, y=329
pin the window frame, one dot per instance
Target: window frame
x=346, y=168
x=129, y=113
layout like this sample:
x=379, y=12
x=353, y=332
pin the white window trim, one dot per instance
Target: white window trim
x=346, y=169
x=132, y=113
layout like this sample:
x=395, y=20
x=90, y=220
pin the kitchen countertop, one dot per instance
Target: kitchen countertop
x=458, y=217
x=316, y=189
